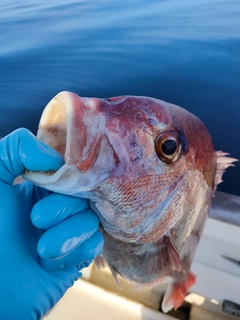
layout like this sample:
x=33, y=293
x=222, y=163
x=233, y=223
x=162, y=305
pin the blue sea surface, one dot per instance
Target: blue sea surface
x=183, y=52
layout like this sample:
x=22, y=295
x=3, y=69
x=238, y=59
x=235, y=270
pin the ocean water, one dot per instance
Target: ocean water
x=183, y=52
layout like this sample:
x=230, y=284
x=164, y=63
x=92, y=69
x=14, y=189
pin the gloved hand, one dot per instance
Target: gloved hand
x=29, y=285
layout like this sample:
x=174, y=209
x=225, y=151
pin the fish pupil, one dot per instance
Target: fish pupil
x=169, y=147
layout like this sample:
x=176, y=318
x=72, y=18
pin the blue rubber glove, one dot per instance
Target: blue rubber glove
x=33, y=222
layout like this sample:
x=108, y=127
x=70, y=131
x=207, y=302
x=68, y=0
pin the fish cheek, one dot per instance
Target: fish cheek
x=133, y=143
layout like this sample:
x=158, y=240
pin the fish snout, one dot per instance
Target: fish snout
x=76, y=129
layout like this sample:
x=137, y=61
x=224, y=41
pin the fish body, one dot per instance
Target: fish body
x=149, y=169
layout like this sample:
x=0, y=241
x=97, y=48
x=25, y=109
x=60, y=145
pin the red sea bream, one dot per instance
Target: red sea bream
x=149, y=170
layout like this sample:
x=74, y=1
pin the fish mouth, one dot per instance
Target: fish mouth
x=76, y=129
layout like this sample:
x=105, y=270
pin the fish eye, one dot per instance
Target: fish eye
x=168, y=146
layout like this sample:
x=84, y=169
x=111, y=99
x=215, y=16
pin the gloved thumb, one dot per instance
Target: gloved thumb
x=21, y=151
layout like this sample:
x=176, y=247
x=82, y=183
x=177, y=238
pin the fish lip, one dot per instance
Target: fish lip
x=42, y=178
x=62, y=126
x=66, y=180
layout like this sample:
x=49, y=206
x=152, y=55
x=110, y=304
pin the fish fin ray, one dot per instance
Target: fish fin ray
x=223, y=162
x=173, y=256
x=115, y=275
x=165, y=259
x=175, y=294
x=100, y=262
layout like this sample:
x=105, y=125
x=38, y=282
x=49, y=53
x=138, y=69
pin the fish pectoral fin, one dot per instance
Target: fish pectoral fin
x=171, y=256
x=162, y=258
x=176, y=292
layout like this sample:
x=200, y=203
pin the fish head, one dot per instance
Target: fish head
x=123, y=136
x=133, y=156
x=149, y=170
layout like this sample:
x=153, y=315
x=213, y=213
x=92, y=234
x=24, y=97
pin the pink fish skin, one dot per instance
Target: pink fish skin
x=149, y=170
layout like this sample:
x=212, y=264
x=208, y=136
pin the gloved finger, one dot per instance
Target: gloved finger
x=87, y=251
x=66, y=236
x=21, y=151
x=82, y=265
x=37, y=193
x=55, y=208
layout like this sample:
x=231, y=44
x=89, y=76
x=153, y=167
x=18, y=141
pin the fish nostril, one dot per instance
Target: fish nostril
x=152, y=121
x=133, y=144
